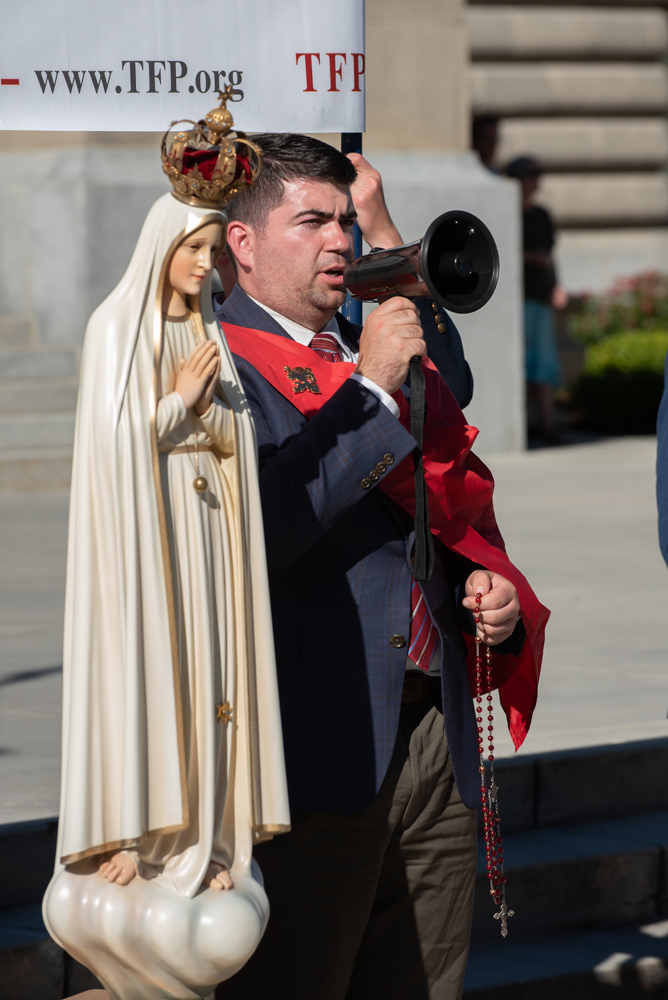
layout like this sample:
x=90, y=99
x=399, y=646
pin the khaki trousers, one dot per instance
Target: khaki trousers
x=377, y=903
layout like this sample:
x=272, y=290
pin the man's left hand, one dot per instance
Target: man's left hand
x=372, y=215
x=499, y=607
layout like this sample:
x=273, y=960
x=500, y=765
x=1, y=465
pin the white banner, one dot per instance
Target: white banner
x=136, y=65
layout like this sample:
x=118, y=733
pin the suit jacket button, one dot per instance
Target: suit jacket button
x=441, y=327
x=388, y=458
x=438, y=318
x=398, y=641
x=365, y=484
x=381, y=467
x=373, y=476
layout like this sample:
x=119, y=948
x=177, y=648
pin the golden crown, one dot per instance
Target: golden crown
x=210, y=163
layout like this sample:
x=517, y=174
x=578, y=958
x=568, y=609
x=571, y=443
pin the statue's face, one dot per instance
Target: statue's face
x=193, y=260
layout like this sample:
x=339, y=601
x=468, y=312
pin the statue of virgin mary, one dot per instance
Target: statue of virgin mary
x=172, y=750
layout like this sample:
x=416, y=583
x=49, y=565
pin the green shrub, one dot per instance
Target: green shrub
x=637, y=303
x=640, y=350
x=620, y=389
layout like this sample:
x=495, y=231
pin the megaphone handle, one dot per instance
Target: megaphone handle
x=424, y=543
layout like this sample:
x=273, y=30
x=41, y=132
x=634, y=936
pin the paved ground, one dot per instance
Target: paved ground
x=581, y=524
x=579, y=521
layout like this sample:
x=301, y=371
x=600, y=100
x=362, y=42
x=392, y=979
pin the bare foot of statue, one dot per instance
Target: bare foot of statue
x=218, y=877
x=119, y=868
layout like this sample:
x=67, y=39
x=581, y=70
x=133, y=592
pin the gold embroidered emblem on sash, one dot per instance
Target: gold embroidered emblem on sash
x=224, y=712
x=302, y=379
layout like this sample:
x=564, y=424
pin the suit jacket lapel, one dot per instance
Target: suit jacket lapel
x=240, y=309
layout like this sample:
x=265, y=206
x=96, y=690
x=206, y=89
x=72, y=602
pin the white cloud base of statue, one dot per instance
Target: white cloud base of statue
x=146, y=943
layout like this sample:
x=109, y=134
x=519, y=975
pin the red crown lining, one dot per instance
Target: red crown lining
x=205, y=160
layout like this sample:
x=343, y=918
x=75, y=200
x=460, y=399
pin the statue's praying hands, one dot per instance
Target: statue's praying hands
x=197, y=377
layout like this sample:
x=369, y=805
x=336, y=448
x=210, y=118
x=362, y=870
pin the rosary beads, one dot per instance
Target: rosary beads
x=489, y=796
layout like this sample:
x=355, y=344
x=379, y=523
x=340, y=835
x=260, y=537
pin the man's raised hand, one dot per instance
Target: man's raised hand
x=392, y=335
x=499, y=607
x=373, y=217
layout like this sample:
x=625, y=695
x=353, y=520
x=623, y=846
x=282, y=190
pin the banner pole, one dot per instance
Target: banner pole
x=351, y=142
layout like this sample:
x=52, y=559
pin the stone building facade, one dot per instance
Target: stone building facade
x=585, y=90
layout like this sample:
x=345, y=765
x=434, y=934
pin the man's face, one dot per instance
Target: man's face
x=296, y=264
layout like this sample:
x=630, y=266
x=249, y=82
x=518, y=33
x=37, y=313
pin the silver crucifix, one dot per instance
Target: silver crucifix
x=503, y=915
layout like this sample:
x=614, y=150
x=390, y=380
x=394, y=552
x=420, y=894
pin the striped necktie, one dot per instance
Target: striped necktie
x=326, y=345
x=423, y=635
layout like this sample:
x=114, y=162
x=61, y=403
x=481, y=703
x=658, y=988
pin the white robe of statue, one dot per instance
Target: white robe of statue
x=167, y=627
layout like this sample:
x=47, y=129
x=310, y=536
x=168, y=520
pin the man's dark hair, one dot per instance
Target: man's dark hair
x=287, y=157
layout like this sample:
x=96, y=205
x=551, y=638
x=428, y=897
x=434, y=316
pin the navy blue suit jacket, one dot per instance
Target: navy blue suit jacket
x=340, y=578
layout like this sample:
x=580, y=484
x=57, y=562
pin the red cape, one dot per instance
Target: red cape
x=459, y=485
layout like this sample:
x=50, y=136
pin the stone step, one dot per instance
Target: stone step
x=42, y=363
x=36, y=430
x=627, y=964
x=594, y=874
x=17, y=332
x=567, y=787
x=33, y=966
x=541, y=794
x=610, y=873
x=613, y=199
x=586, y=143
x=511, y=32
x=570, y=965
x=568, y=88
x=35, y=470
x=39, y=394
x=27, y=856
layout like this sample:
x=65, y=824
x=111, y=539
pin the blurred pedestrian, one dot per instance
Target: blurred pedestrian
x=542, y=295
x=485, y=139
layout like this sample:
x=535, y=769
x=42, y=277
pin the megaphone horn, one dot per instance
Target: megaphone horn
x=456, y=262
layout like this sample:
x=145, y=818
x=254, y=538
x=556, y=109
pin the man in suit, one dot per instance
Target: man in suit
x=372, y=890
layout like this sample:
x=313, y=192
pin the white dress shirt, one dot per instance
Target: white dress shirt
x=304, y=336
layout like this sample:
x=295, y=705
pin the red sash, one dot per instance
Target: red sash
x=459, y=486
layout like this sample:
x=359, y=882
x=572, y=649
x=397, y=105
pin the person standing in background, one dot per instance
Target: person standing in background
x=485, y=139
x=542, y=295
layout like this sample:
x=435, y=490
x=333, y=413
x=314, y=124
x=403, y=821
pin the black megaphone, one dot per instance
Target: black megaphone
x=456, y=262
